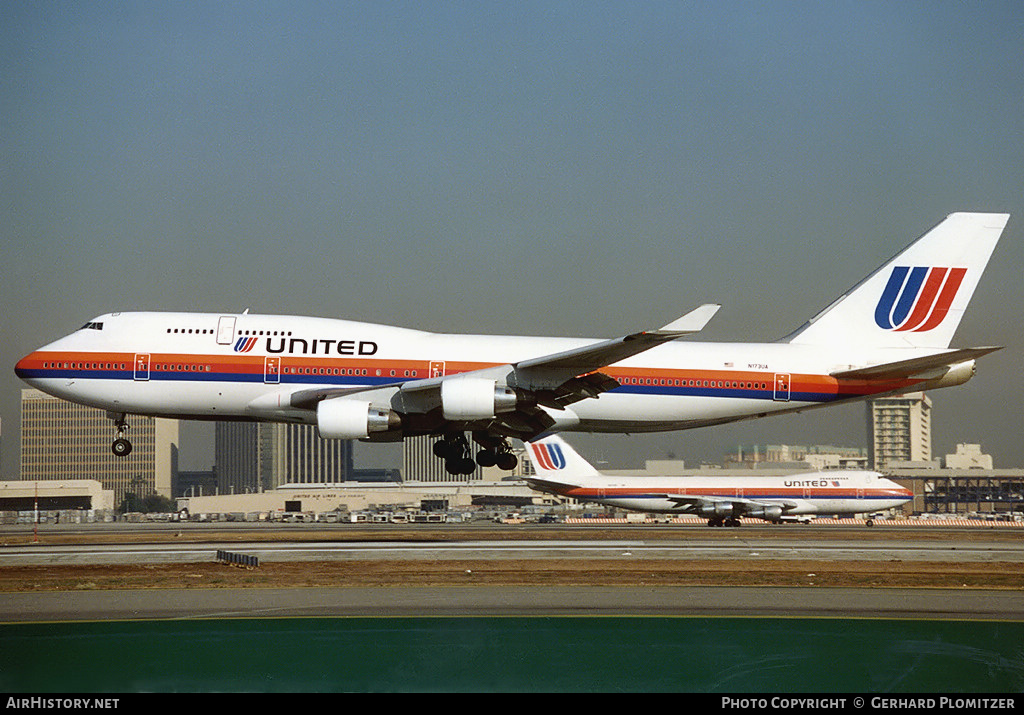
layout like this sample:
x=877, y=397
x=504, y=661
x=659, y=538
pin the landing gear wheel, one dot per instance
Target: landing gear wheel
x=460, y=466
x=121, y=447
x=507, y=461
x=455, y=451
x=496, y=452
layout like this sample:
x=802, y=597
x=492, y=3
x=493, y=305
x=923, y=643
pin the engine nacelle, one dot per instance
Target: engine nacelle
x=772, y=512
x=344, y=418
x=716, y=510
x=475, y=398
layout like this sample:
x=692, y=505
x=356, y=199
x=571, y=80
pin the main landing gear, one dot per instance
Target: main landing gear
x=458, y=458
x=121, y=446
x=723, y=521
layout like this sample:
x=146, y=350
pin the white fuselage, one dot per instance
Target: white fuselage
x=214, y=366
x=832, y=492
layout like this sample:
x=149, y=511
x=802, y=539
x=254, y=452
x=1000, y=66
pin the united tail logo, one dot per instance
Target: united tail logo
x=548, y=456
x=917, y=299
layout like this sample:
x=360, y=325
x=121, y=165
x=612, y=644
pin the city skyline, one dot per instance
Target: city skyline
x=567, y=169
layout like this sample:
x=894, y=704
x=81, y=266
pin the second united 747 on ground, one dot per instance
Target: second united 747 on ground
x=722, y=500
x=891, y=333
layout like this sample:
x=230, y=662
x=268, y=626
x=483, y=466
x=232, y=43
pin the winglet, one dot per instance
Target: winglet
x=692, y=322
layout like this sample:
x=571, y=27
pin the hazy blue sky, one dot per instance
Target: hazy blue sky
x=527, y=168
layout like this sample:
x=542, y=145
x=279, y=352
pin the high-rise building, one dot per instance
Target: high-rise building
x=256, y=456
x=419, y=464
x=62, y=441
x=899, y=429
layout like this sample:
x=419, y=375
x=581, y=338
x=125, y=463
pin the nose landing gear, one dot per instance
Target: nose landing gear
x=121, y=446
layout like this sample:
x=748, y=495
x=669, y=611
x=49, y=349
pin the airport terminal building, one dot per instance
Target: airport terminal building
x=266, y=468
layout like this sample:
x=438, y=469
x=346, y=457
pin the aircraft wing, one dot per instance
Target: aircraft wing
x=694, y=503
x=563, y=378
x=550, y=381
x=592, y=357
x=915, y=367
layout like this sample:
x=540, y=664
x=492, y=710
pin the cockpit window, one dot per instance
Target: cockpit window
x=92, y=326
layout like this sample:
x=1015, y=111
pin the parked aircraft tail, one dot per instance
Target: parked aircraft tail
x=556, y=461
x=917, y=299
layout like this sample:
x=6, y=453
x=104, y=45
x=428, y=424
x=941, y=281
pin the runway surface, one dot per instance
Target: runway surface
x=752, y=548
x=222, y=603
x=746, y=548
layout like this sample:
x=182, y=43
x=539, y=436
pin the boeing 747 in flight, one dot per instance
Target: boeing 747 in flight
x=889, y=334
x=721, y=500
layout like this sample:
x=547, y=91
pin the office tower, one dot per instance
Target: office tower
x=253, y=457
x=62, y=440
x=899, y=429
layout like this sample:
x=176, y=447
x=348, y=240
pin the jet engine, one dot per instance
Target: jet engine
x=475, y=398
x=344, y=418
x=772, y=512
x=718, y=509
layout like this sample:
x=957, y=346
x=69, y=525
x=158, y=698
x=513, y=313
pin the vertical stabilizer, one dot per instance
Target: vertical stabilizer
x=918, y=298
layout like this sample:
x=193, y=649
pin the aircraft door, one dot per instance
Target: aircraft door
x=272, y=370
x=436, y=368
x=226, y=330
x=141, y=367
x=781, y=387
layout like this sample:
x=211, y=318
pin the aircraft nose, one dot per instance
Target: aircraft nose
x=23, y=368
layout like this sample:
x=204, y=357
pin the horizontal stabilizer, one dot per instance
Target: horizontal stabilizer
x=549, y=487
x=914, y=366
